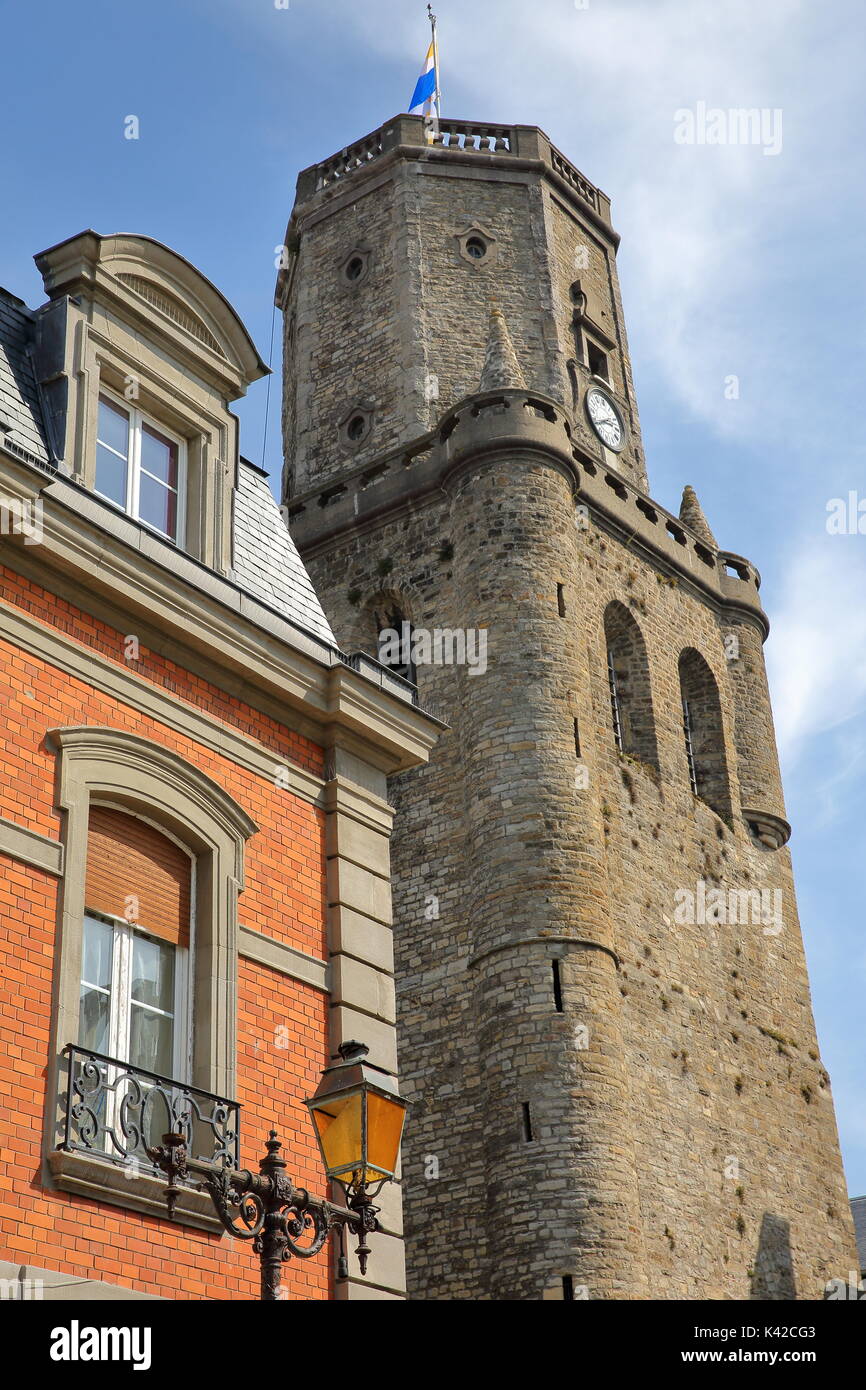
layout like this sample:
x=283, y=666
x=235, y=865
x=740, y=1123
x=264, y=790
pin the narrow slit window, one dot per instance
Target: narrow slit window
x=557, y=987
x=560, y=599
x=527, y=1123
x=567, y=1288
x=576, y=739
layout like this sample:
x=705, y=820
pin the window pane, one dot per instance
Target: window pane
x=152, y=973
x=113, y=426
x=151, y=1041
x=93, y=1019
x=157, y=505
x=158, y=456
x=96, y=952
x=111, y=475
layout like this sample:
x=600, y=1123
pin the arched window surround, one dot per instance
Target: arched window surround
x=703, y=732
x=100, y=765
x=629, y=687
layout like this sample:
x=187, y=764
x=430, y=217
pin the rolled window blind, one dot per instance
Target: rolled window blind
x=137, y=873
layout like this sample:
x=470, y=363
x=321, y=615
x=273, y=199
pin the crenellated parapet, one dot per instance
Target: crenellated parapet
x=496, y=423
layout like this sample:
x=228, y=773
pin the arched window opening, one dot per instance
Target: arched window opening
x=395, y=642
x=135, y=970
x=629, y=690
x=145, y=1019
x=137, y=929
x=703, y=734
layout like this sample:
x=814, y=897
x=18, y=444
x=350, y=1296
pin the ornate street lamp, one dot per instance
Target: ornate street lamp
x=358, y=1117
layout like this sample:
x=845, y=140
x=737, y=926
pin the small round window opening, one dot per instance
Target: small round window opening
x=356, y=428
x=476, y=247
x=355, y=268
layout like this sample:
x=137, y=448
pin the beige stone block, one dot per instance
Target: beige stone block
x=354, y=887
x=386, y=1267
x=362, y=845
x=363, y=988
x=347, y=1023
x=360, y=936
x=358, y=1291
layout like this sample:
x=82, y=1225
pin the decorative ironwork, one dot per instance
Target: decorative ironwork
x=117, y=1112
x=266, y=1208
x=690, y=747
x=615, y=707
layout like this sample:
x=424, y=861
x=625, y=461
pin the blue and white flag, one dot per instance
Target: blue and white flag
x=425, y=88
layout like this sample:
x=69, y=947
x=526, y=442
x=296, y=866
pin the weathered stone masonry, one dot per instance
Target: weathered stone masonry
x=607, y=1100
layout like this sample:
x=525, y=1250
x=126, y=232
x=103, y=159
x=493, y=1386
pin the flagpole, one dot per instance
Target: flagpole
x=438, y=92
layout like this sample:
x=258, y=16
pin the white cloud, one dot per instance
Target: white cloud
x=817, y=650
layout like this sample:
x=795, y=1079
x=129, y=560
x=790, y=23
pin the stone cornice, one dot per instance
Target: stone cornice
x=494, y=425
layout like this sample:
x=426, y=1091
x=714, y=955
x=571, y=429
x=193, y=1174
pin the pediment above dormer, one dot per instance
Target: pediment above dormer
x=162, y=296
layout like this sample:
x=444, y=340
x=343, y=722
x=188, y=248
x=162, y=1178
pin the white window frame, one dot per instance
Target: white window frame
x=120, y=995
x=120, y=1014
x=137, y=419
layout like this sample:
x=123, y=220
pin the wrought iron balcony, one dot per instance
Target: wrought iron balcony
x=116, y=1112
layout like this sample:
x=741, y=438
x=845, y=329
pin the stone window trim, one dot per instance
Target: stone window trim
x=476, y=233
x=630, y=687
x=353, y=437
x=355, y=267
x=105, y=765
x=704, y=741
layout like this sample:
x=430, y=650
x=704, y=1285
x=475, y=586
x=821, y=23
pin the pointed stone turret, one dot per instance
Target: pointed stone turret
x=692, y=514
x=501, y=371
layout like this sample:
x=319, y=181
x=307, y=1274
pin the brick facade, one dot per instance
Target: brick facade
x=282, y=1024
x=194, y=825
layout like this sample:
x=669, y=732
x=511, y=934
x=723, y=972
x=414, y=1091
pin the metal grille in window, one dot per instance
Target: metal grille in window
x=615, y=710
x=690, y=752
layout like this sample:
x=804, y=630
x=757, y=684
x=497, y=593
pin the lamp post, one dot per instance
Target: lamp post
x=358, y=1117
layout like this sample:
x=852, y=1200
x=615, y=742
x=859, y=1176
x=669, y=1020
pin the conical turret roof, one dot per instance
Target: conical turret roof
x=501, y=371
x=691, y=512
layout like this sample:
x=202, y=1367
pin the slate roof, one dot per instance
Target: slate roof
x=21, y=419
x=858, y=1208
x=266, y=564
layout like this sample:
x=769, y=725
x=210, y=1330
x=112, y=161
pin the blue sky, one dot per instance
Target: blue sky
x=733, y=263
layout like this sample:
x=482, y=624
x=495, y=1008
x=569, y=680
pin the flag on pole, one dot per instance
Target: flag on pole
x=426, y=86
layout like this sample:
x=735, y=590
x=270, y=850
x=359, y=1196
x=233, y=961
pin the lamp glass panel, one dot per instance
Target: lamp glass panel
x=384, y=1128
x=339, y=1131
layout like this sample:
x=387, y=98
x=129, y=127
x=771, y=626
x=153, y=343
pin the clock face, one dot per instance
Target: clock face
x=605, y=419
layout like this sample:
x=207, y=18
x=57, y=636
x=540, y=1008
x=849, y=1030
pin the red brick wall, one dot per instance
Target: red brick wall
x=281, y=1023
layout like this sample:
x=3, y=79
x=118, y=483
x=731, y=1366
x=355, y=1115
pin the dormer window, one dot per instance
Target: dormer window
x=140, y=467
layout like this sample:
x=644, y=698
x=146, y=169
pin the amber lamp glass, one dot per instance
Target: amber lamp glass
x=358, y=1118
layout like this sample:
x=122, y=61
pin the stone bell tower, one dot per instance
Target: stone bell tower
x=603, y=1008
